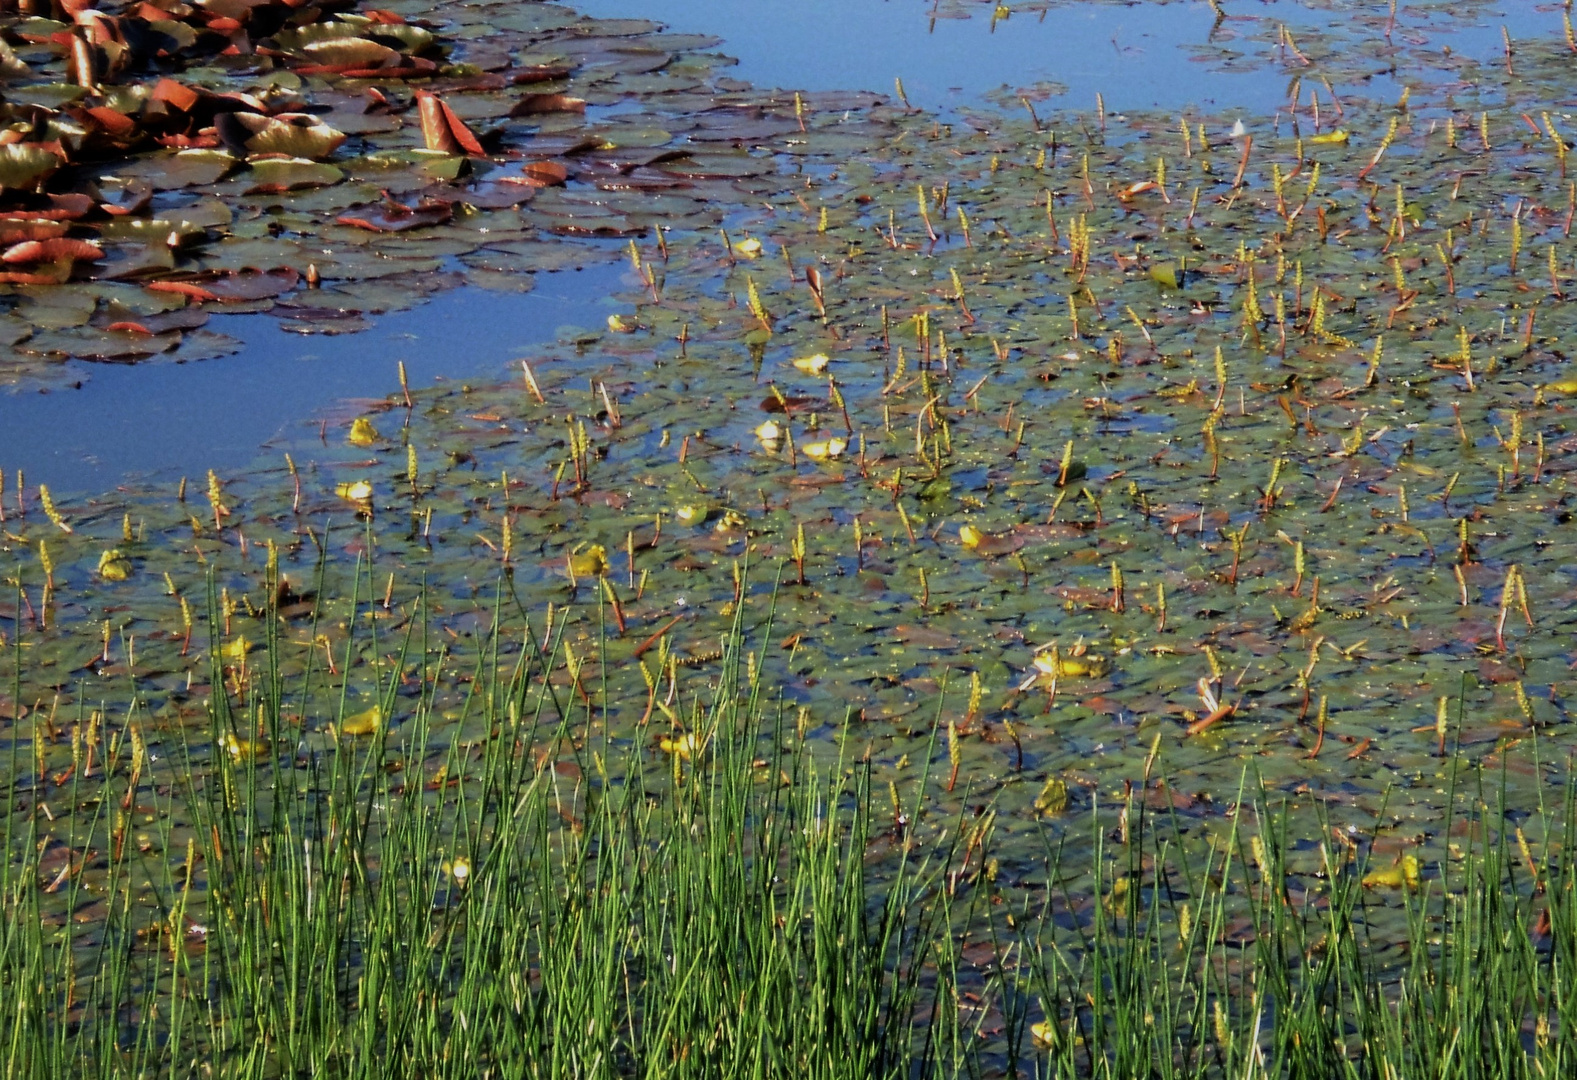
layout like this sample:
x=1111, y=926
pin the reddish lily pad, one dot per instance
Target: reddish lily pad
x=397, y=217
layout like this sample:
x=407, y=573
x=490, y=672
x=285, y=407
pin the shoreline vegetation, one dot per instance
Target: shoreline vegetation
x=1020, y=592
x=546, y=899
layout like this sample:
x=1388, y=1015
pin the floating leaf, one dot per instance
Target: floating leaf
x=290, y=174
x=538, y=104
x=442, y=130
x=23, y=165
x=13, y=230
x=293, y=135
x=37, y=251
x=391, y=216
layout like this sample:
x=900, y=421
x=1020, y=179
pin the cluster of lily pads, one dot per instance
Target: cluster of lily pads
x=162, y=164
x=1068, y=443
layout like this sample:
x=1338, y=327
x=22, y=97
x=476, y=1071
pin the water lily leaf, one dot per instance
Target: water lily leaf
x=351, y=52
x=130, y=199
x=428, y=164
x=442, y=130
x=544, y=173
x=40, y=251
x=177, y=95
x=397, y=217
x=538, y=104
x=23, y=165
x=714, y=166
x=13, y=230
x=47, y=95
x=55, y=273
x=204, y=345
x=350, y=27
x=290, y=174
x=254, y=285
x=88, y=343
x=325, y=321
x=186, y=168
x=294, y=135
x=121, y=320
x=499, y=196
x=537, y=73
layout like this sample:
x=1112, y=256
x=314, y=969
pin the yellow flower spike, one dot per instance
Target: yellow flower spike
x=366, y=722
x=215, y=498
x=814, y=364
x=769, y=431
x=753, y=301
x=589, y=561
x=620, y=325
x=362, y=433
x=49, y=509
x=970, y=536
x=114, y=566
x=824, y=449
x=358, y=491
x=748, y=248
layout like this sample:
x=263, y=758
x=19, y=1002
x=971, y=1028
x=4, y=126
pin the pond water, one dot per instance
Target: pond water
x=99, y=424
x=1030, y=452
x=150, y=421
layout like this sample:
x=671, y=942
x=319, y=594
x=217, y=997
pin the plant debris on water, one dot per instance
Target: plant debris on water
x=1083, y=592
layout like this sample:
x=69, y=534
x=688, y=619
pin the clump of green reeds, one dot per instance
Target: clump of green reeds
x=533, y=901
x=1300, y=953
x=543, y=896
